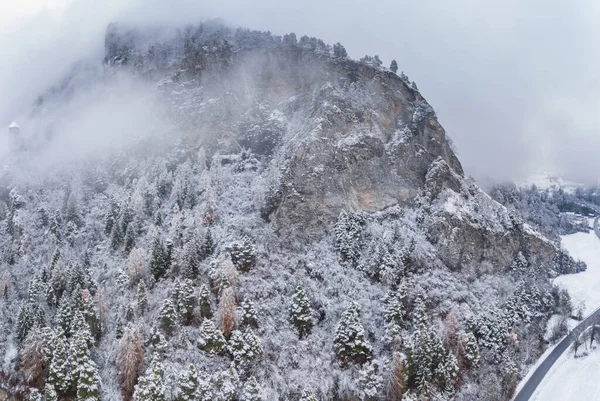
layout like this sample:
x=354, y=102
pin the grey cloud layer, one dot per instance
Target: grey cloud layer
x=514, y=83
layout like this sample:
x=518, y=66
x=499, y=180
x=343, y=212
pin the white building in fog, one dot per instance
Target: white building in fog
x=15, y=141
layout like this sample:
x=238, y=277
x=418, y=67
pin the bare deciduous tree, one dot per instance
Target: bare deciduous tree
x=130, y=358
x=226, y=312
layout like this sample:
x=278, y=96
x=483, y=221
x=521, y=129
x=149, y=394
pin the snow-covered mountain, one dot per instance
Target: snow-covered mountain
x=552, y=182
x=237, y=215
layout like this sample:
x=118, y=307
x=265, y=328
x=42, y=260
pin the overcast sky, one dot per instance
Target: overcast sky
x=515, y=83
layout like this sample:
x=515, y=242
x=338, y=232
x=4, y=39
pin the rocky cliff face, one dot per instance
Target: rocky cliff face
x=338, y=135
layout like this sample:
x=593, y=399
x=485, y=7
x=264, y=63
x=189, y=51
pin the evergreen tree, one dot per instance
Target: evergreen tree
x=209, y=245
x=300, y=315
x=226, y=383
x=142, y=297
x=394, y=66
x=204, y=302
x=80, y=327
x=59, y=374
x=79, y=355
x=308, y=395
x=157, y=340
x=395, y=313
x=348, y=235
x=55, y=227
x=30, y=315
x=251, y=390
x=111, y=216
x=249, y=318
x=158, y=259
x=48, y=344
x=471, y=351
x=88, y=311
x=168, y=316
x=339, y=51
x=34, y=395
x=243, y=255
x=186, y=300
x=129, y=241
x=188, y=385
x=64, y=315
x=349, y=342
x=210, y=339
x=370, y=382
x=150, y=386
x=118, y=328
x=117, y=237
x=50, y=392
x=419, y=313
x=88, y=384
x=244, y=347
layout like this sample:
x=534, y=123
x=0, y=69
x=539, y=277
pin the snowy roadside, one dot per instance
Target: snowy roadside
x=571, y=378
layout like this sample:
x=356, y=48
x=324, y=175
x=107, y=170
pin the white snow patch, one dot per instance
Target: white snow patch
x=573, y=379
x=570, y=378
x=583, y=287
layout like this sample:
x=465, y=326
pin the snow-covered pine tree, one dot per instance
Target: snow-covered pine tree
x=119, y=328
x=90, y=316
x=244, y=347
x=142, y=297
x=249, y=318
x=158, y=342
x=471, y=351
x=64, y=315
x=50, y=392
x=129, y=240
x=243, y=255
x=88, y=383
x=34, y=395
x=349, y=343
x=168, y=316
x=348, y=235
x=227, y=384
x=205, y=388
x=30, y=315
x=158, y=259
x=370, y=382
x=210, y=339
x=251, y=390
x=204, y=303
x=419, y=312
x=151, y=386
x=79, y=354
x=300, y=314
x=80, y=327
x=59, y=373
x=209, y=245
x=111, y=216
x=395, y=313
x=308, y=395
x=394, y=66
x=188, y=385
x=186, y=300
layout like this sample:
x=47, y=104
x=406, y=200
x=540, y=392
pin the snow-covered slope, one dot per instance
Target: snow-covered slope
x=583, y=287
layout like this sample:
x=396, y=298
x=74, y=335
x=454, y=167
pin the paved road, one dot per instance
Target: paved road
x=539, y=373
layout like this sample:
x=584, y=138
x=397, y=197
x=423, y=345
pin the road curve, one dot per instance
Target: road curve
x=540, y=372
